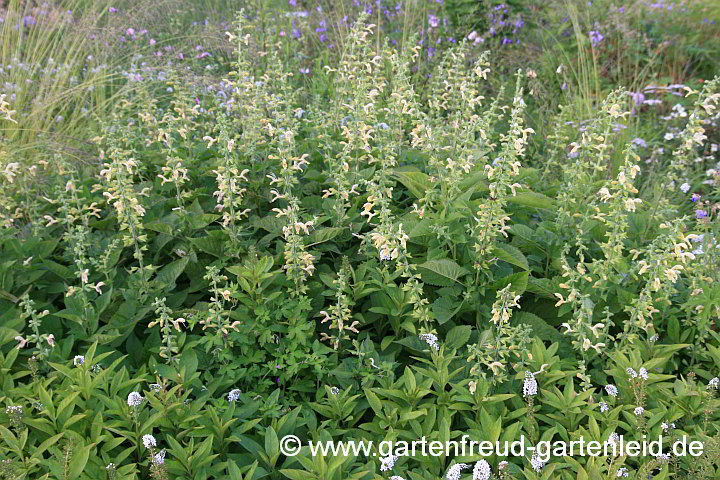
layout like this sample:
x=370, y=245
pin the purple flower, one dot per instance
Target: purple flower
x=29, y=21
x=112, y=9
x=640, y=142
x=596, y=37
x=695, y=197
x=699, y=214
x=152, y=41
x=292, y=3
x=305, y=71
x=637, y=97
x=130, y=31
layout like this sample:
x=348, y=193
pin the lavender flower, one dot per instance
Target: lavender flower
x=685, y=187
x=159, y=458
x=387, y=463
x=234, y=395
x=529, y=385
x=622, y=472
x=611, y=390
x=536, y=463
x=134, y=399
x=149, y=441
x=431, y=340
x=604, y=407
x=79, y=360
x=481, y=470
x=455, y=471
x=632, y=373
x=639, y=411
x=643, y=374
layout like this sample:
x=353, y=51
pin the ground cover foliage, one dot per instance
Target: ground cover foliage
x=348, y=221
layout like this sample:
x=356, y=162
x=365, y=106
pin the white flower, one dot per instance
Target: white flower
x=481, y=470
x=611, y=390
x=149, y=441
x=431, y=340
x=614, y=437
x=685, y=187
x=396, y=477
x=387, y=463
x=334, y=390
x=536, y=463
x=604, y=407
x=502, y=465
x=643, y=374
x=714, y=383
x=529, y=385
x=79, y=360
x=134, y=399
x=639, y=411
x=665, y=426
x=631, y=372
x=159, y=457
x=455, y=471
x=622, y=472
x=669, y=136
x=234, y=395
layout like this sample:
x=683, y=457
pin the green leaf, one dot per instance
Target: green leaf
x=169, y=273
x=443, y=272
x=79, y=460
x=322, y=235
x=374, y=401
x=295, y=474
x=415, y=181
x=445, y=308
x=511, y=255
x=540, y=327
x=532, y=199
x=272, y=444
x=519, y=282
x=458, y=336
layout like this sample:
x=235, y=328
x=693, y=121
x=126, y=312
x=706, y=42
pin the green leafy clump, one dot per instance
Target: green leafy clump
x=360, y=255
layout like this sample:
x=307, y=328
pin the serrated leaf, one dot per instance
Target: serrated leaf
x=511, y=255
x=458, y=336
x=540, y=327
x=532, y=199
x=415, y=181
x=443, y=272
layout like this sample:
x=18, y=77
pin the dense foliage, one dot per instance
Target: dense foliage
x=357, y=222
